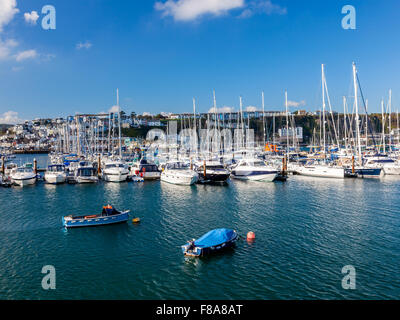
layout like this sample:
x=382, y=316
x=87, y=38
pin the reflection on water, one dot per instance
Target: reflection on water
x=306, y=230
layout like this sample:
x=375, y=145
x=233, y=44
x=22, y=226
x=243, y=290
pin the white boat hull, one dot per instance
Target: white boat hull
x=87, y=179
x=24, y=182
x=151, y=175
x=115, y=177
x=391, y=170
x=321, y=172
x=174, y=178
x=269, y=177
x=55, y=178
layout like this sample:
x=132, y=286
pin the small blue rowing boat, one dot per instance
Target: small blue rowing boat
x=109, y=215
x=212, y=241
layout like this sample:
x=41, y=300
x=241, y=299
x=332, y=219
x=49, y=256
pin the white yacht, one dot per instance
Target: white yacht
x=145, y=169
x=179, y=173
x=86, y=175
x=23, y=176
x=55, y=174
x=115, y=171
x=389, y=165
x=320, y=170
x=254, y=170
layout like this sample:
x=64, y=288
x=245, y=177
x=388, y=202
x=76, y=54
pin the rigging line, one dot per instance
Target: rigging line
x=366, y=112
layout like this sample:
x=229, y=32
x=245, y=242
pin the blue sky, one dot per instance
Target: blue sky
x=162, y=55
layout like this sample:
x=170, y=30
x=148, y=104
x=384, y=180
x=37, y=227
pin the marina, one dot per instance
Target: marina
x=199, y=158
x=306, y=229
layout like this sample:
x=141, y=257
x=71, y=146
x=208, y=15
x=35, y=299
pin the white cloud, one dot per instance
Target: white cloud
x=296, y=104
x=6, y=48
x=10, y=117
x=84, y=45
x=224, y=109
x=8, y=52
x=262, y=7
x=24, y=55
x=8, y=9
x=251, y=109
x=147, y=114
x=114, y=109
x=187, y=10
x=31, y=18
x=47, y=57
x=16, y=69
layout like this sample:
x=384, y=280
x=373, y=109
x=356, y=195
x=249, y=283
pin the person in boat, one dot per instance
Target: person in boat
x=108, y=210
x=191, y=245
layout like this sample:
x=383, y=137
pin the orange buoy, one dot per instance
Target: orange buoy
x=251, y=236
x=136, y=220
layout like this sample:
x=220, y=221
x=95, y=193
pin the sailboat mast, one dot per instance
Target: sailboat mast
x=287, y=123
x=390, y=120
x=194, y=125
x=119, y=124
x=366, y=124
x=263, y=107
x=356, y=107
x=383, y=128
x=323, y=109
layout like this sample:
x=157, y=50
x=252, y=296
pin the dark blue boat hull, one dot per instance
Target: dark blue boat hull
x=203, y=251
x=97, y=221
x=368, y=172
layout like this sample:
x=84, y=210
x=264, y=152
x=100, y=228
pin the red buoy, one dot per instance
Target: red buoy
x=251, y=236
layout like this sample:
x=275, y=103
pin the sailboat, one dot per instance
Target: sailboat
x=116, y=170
x=360, y=169
x=316, y=169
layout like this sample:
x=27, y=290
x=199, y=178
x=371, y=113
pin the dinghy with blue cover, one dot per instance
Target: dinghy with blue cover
x=212, y=241
x=109, y=215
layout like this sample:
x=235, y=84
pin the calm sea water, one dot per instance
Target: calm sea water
x=306, y=231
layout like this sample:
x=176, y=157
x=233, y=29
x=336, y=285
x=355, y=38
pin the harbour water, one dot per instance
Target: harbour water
x=306, y=230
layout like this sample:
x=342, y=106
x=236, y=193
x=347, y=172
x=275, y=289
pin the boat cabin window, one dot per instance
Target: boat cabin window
x=56, y=168
x=114, y=165
x=215, y=167
x=87, y=172
x=149, y=168
x=177, y=165
x=259, y=164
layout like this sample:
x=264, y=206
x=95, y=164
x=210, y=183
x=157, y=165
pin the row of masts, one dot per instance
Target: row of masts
x=99, y=135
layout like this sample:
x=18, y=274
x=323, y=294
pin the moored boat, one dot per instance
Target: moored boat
x=321, y=171
x=55, y=174
x=115, y=171
x=176, y=172
x=23, y=176
x=145, y=169
x=86, y=175
x=213, y=241
x=109, y=215
x=254, y=170
x=212, y=172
